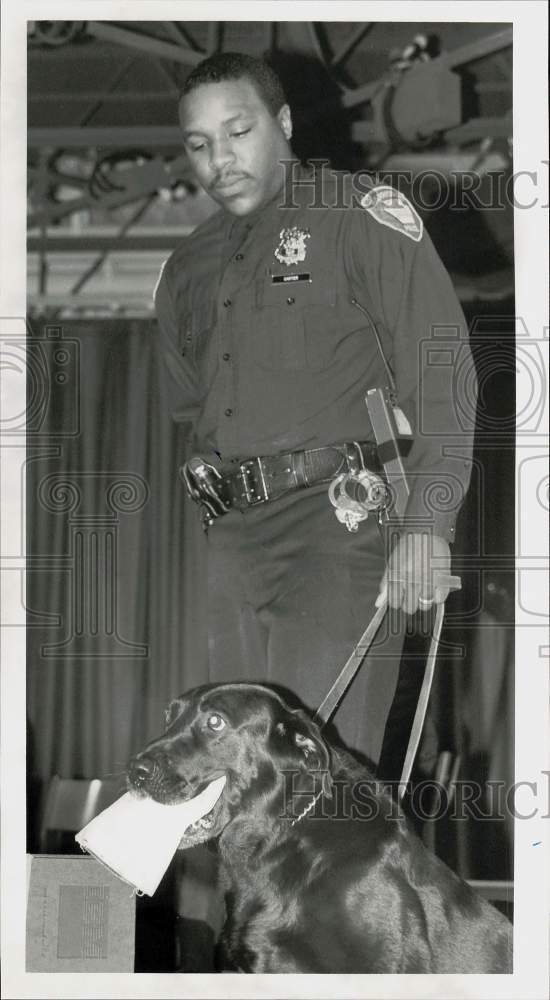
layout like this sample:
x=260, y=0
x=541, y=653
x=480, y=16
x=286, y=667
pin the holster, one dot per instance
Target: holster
x=205, y=486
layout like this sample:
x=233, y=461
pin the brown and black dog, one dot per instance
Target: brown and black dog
x=321, y=874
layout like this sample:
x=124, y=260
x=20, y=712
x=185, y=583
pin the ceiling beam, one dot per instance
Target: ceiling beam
x=106, y=31
x=183, y=33
x=480, y=128
x=472, y=51
x=214, y=40
x=122, y=96
x=88, y=242
x=173, y=31
x=351, y=43
x=106, y=136
x=476, y=128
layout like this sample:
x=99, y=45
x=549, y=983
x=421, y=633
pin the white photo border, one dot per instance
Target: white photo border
x=530, y=977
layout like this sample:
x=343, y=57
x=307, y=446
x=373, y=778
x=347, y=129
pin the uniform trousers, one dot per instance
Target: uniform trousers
x=290, y=591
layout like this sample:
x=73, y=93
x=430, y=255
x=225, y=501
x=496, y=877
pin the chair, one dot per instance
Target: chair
x=70, y=803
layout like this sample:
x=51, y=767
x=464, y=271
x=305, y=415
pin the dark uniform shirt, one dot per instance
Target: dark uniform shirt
x=265, y=350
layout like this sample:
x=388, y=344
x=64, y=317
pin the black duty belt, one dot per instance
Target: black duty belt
x=258, y=480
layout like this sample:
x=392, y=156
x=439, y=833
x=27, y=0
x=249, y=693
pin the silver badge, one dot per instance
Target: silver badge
x=292, y=245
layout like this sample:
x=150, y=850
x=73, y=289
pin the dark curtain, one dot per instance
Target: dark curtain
x=114, y=587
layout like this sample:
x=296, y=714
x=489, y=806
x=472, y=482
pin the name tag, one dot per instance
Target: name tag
x=285, y=279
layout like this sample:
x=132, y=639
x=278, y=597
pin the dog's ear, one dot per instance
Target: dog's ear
x=174, y=710
x=306, y=744
x=307, y=738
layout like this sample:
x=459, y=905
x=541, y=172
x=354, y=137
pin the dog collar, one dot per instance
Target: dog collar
x=307, y=809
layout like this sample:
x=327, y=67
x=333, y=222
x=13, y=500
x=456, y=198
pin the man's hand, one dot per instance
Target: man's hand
x=417, y=573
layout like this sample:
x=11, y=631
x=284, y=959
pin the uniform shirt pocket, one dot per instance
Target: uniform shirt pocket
x=294, y=323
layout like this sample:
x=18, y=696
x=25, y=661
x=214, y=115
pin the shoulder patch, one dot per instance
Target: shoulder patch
x=389, y=207
x=156, y=288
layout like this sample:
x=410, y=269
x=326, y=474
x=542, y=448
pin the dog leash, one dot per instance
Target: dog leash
x=360, y=652
x=350, y=668
x=422, y=706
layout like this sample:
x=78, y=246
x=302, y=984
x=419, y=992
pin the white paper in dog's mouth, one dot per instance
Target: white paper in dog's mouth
x=203, y=803
x=137, y=837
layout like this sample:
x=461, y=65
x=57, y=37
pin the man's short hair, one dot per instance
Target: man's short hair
x=238, y=66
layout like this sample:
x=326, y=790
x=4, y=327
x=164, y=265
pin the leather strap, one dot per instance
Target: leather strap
x=422, y=705
x=351, y=666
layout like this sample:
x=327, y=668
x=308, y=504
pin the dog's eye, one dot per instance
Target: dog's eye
x=215, y=722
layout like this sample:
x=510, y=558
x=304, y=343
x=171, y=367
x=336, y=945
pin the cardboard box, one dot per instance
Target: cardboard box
x=80, y=917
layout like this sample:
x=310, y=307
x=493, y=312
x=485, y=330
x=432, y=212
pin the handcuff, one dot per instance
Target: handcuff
x=371, y=494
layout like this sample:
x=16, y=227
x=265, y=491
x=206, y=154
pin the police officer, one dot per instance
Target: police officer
x=305, y=290
x=276, y=316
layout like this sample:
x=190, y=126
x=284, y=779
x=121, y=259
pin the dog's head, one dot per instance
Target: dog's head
x=270, y=755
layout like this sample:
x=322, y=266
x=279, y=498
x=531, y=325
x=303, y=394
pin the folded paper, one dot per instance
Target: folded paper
x=136, y=837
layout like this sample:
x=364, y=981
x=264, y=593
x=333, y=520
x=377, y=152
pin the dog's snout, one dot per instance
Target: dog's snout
x=141, y=770
x=153, y=773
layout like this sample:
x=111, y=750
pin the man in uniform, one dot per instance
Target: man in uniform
x=276, y=316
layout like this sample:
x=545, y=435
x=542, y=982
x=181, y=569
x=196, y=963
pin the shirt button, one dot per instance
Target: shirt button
x=229, y=412
x=290, y=300
x=227, y=302
x=239, y=256
x=226, y=356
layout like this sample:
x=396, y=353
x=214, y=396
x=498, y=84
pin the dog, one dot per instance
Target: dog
x=321, y=873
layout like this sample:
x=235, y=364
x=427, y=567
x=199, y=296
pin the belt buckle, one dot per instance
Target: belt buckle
x=246, y=470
